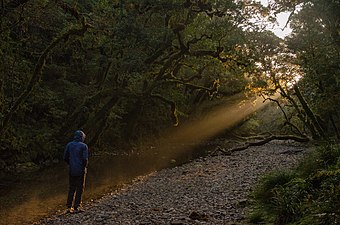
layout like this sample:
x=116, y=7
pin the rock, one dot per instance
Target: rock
x=243, y=202
x=198, y=216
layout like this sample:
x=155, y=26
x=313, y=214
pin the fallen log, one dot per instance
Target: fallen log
x=260, y=142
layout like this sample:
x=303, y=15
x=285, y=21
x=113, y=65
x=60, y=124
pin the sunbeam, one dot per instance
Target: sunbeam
x=188, y=136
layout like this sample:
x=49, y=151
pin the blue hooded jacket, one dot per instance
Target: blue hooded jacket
x=76, y=154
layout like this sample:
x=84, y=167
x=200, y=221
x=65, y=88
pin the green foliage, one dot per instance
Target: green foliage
x=309, y=57
x=324, y=157
x=256, y=217
x=308, y=195
x=140, y=67
x=269, y=186
x=315, y=41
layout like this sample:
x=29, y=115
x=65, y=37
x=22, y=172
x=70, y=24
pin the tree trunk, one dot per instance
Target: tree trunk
x=300, y=113
x=96, y=122
x=309, y=112
x=334, y=126
x=80, y=116
x=132, y=119
x=97, y=133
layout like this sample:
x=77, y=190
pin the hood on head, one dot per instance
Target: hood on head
x=79, y=136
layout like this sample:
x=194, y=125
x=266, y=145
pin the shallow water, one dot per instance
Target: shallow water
x=45, y=193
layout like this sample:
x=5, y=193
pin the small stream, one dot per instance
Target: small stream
x=45, y=192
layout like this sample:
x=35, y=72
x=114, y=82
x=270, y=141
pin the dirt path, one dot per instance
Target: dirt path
x=211, y=190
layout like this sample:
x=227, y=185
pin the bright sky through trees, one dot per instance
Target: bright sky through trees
x=279, y=29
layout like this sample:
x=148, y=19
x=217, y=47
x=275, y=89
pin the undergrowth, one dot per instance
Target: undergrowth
x=307, y=195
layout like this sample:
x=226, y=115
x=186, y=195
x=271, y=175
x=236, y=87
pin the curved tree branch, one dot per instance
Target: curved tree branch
x=36, y=76
x=195, y=40
x=216, y=54
x=193, y=86
x=172, y=107
x=287, y=122
x=68, y=9
x=198, y=71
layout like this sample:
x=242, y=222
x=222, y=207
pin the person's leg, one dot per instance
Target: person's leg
x=79, y=191
x=72, y=189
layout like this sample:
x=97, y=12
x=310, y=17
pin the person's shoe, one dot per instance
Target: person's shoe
x=78, y=210
x=68, y=210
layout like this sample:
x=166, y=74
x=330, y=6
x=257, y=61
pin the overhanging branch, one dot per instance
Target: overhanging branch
x=68, y=9
x=193, y=86
x=215, y=54
x=78, y=31
x=172, y=107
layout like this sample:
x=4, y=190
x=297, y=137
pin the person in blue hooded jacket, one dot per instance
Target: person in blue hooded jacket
x=76, y=156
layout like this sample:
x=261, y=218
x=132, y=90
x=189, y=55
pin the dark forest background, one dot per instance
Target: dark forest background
x=125, y=70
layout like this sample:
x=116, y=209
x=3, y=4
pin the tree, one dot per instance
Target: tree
x=159, y=54
x=315, y=41
x=27, y=43
x=302, y=71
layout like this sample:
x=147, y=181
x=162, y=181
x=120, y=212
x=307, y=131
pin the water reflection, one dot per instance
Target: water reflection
x=46, y=192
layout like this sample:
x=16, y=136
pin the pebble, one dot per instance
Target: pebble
x=212, y=190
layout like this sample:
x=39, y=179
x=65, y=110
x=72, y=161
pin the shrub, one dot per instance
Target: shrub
x=321, y=158
x=265, y=192
x=308, y=195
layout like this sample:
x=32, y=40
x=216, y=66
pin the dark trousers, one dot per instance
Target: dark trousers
x=76, y=188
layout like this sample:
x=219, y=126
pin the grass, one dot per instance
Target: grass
x=310, y=194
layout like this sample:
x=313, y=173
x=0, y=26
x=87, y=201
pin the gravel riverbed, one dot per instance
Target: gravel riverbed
x=209, y=190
